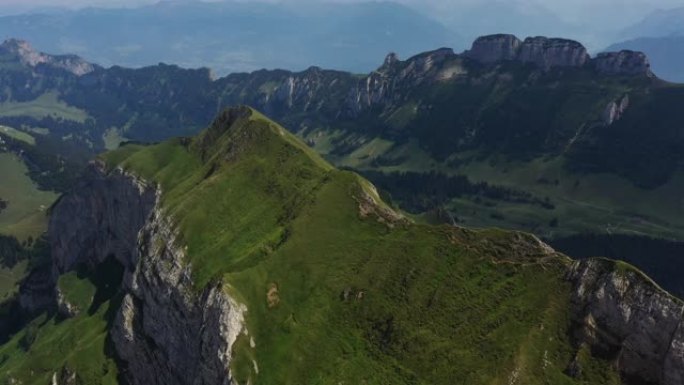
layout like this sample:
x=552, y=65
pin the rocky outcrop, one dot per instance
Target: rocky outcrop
x=626, y=317
x=65, y=308
x=494, y=48
x=28, y=56
x=623, y=63
x=65, y=377
x=166, y=331
x=614, y=110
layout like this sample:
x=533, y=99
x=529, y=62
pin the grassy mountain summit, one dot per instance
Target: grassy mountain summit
x=336, y=286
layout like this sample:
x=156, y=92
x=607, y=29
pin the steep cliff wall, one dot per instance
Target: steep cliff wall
x=624, y=316
x=547, y=53
x=165, y=332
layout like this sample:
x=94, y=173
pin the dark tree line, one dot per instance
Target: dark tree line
x=11, y=251
x=419, y=192
x=662, y=260
x=49, y=163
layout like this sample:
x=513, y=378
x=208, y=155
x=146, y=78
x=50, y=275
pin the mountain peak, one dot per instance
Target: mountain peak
x=241, y=129
x=24, y=51
x=29, y=56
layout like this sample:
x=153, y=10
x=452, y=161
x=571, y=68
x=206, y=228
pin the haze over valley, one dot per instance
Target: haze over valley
x=342, y=192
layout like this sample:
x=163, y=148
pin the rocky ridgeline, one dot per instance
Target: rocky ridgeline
x=394, y=79
x=28, y=56
x=548, y=53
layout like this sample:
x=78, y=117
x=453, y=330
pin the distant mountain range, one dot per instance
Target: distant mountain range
x=234, y=36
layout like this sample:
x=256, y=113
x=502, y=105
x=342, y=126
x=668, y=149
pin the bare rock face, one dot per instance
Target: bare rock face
x=543, y=52
x=625, y=316
x=547, y=53
x=65, y=377
x=623, y=63
x=166, y=331
x=382, y=87
x=614, y=110
x=27, y=55
x=118, y=204
x=494, y=48
x=65, y=308
x=390, y=61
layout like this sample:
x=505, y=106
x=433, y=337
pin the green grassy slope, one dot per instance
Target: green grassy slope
x=46, y=105
x=341, y=290
x=16, y=134
x=49, y=346
x=25, y=215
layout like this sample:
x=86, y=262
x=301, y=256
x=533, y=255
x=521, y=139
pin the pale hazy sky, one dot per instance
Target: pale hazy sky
x=571, y=6
x=623, y=12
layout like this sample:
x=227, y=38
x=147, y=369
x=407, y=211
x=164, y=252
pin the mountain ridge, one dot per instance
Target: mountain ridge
x=338, y=284
x=514, y=144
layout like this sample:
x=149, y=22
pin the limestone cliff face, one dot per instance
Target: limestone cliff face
x=165, y=332
x=623, y=315
x=547, y=53
x=615, y=109
x=389, y=83
x=541, y=51
x=494, y=48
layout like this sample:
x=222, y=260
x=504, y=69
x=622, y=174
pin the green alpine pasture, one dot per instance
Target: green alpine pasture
x=48, y=346
x=16, y=134
x=45, y=105
x=25, y=214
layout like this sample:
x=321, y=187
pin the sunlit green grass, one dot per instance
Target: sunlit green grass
x=10, y=279
x=26, y=213
x=46, y=105
x=48, y=345
x=16, y=134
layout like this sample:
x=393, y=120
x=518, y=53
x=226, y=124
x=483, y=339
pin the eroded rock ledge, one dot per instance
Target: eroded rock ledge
x=166, y=331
